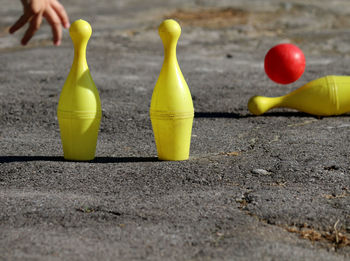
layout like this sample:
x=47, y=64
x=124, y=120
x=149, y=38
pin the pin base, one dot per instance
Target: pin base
x=78, y=159
x=172, y=159
x=79, y=138
x=173, y=138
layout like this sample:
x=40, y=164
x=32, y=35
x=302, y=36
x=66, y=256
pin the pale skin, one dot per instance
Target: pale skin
x=33, y=13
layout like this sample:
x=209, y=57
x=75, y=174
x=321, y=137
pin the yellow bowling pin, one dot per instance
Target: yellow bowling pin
x=326, y=96
x=79, y=107
x=171, y=108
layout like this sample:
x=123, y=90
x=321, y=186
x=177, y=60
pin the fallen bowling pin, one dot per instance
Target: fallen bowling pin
x=79, y=107
x=327, y=96
x=171, y=109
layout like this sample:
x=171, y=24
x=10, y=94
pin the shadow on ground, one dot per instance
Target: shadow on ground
x=8, y=159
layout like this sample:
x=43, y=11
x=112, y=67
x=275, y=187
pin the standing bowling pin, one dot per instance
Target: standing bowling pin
x=326, y=96
x=79, y=107
x=171, y=105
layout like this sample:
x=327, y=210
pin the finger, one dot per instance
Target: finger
x=33, y=27
x=24, y=2
x=20, y=22
x=55, y=23
x=61, y=12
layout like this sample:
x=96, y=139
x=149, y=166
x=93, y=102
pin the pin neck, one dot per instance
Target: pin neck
x=170, y=51
x=80, y=54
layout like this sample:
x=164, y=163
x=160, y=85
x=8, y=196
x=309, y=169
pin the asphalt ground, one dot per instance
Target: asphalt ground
x=270, y=187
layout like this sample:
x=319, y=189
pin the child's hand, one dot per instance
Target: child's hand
x=34, y=11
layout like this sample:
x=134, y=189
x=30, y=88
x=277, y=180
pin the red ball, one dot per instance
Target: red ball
x=284, y=63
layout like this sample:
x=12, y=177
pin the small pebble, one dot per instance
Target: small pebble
x=260, y=172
